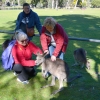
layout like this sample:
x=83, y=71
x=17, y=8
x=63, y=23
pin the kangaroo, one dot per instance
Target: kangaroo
x=80, y=58
x=5, y=44
x=58, y=69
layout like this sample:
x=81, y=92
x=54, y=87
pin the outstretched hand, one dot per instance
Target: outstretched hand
x=53, y=58
x=46, y=51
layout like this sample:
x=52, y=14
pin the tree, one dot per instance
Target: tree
x=34, y=2
x=95, y=3
x=0, y=2
x=75, y=4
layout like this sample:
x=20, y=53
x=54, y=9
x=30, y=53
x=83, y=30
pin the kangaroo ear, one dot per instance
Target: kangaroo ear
x=38, y=53
x=45, y=54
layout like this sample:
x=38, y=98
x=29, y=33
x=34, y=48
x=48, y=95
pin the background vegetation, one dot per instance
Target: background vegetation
x=54, y=4
x=77, y=23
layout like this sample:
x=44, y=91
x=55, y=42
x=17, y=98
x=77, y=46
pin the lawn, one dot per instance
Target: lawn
x=77, y=23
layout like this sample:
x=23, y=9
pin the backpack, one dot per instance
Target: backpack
x=7, y=58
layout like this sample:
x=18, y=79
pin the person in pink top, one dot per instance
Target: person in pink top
x=54, y=39
x=22, y=53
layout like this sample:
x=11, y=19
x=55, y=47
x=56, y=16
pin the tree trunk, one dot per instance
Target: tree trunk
x=52, y=4
x=56, y=4
x=76, y=4
x=18, y=2
x=67, y=5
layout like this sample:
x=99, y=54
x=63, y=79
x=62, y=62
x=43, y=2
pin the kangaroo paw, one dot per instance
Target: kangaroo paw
x=88, y=68
x=76, y=64
x=73, y=65
x=55, y=92
x=79, y=75
x=46, y=86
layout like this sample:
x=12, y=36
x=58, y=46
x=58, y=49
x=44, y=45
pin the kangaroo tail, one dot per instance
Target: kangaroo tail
x=75, y=77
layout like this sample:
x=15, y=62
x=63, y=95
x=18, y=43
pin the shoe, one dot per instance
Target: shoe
x=35, y=73
x=15, y=73
x=24, y=82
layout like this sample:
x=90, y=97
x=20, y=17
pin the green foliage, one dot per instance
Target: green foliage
x=22, y=2
x=49, y=3
x=28, y=1
x=34, y=2
x=95, y=3
x=83, y=4
x=39, y=5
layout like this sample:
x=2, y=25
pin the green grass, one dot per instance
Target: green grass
x=77, y=23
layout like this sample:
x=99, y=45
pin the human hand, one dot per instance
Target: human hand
x=53, y=58
x=35, y=62
x=46, y=51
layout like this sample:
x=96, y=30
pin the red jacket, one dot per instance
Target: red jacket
x=60, y=38
x=23, y=55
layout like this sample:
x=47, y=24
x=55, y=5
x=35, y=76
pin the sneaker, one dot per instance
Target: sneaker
x=15, y=73
x=24, y=82
x=35, y=74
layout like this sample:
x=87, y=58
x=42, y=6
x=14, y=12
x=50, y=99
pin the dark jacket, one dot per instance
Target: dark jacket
x=34, y=21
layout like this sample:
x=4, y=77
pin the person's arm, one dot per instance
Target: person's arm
x=35, y=49
x=59, y=40
x=43, y=39
x=14, y=54
x=18, y=21
x=38, y=23
x=20, y=59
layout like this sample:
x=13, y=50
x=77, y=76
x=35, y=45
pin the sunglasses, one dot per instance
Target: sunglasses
x=24, y=40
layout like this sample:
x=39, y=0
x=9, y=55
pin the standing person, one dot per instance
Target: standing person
x=54, y=39
x=22, y=53
x=29, y=18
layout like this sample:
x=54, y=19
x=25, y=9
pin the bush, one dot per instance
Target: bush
x=83, y=4
x=95, y=3
x=39, y=5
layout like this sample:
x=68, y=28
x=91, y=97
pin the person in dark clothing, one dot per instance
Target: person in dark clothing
x=29, y=17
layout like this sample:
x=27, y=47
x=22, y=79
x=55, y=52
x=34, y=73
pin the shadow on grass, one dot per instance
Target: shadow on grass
x=86, y=88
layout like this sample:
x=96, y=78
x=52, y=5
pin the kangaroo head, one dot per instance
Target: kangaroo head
x=40, y=58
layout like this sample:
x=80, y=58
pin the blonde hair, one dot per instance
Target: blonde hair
x=50, y=21
x=21, y=36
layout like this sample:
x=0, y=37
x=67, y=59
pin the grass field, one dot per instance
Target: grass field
x=77, y=23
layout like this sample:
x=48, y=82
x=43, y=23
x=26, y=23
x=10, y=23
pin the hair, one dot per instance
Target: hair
x=49, y=21
x=26, y=4
x=21, y=36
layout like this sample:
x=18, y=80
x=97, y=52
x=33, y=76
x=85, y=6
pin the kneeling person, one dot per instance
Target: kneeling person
x=22, y=53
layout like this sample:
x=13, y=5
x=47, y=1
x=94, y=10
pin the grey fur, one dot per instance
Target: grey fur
x=80, y=58
x=58, y=69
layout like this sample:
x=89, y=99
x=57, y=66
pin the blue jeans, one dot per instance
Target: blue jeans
x=51, y=50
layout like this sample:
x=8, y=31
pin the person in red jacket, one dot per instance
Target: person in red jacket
x=22, y=53
x=54, y=39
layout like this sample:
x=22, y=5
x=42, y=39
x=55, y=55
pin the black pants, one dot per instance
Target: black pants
x=24, y=73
